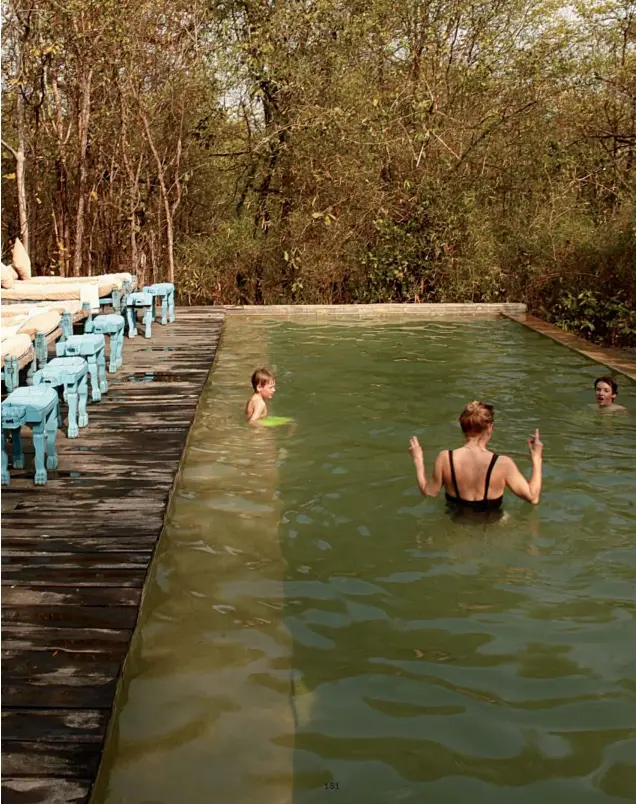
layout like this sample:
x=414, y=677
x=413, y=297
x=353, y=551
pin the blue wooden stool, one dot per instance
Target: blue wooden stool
x=165, y=292
x=139, y=301
x=93, y=348
x=72, y=374
x=37, y=406
x=111, y=324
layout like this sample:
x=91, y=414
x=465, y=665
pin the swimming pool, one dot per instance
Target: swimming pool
x=313, y=627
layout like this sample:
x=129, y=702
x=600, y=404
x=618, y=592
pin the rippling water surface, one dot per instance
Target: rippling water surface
x=310, y=620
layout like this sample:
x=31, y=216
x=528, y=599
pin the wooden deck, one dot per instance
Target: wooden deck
x=75, y=556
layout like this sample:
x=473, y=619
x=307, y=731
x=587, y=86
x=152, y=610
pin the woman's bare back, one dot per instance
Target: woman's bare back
x=471, y=468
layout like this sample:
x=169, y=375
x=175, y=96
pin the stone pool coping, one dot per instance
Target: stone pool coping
x=614, y=359
x=364, y=310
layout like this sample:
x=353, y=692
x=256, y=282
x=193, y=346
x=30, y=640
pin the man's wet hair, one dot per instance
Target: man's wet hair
x=609, y=381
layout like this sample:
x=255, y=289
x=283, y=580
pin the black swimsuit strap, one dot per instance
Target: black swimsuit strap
x=493, y=461
x=454, y=479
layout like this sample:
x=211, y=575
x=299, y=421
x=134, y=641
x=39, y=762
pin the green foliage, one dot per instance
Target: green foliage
x=590, y=314
x=335, y=151
x=401, y=266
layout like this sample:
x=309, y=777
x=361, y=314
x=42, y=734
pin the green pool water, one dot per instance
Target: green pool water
x=313, y=630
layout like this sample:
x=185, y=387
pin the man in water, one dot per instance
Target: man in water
x=606, y=390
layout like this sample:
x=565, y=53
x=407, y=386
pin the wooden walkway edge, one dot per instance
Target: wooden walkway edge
x=75, y=556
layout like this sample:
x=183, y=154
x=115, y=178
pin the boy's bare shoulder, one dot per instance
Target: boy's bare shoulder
x=255, y=408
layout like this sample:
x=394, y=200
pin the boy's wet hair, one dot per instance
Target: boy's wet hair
x=609, y=381
x=261, y=377
x=476, y=417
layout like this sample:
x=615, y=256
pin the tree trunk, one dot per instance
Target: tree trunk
x=83, y=120
x=21, y=190
x=62, y=215
x=169, y=208
x=20, y=175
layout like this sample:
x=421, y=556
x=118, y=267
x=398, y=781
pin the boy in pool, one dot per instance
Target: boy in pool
x=606, y=389
x=264, y=385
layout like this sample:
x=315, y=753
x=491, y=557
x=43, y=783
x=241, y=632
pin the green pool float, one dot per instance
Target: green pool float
x=275, y=421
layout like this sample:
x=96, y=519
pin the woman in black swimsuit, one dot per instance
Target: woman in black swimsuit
x=473, y=477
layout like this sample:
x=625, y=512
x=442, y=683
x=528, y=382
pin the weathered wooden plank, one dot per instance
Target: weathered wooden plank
x=62, y=696
x=64, y=760
x=103, y=496
x=125, y=507
x=48, y=576
x=54, y=725
x=86, y=596
x=88, y=640
x=24, y=525
x=27, y=527
x=112, y=495
x=79, y=560
x=24, y=530
x=36, y=790
x=72, y=616
x=23, y=543
x=64, y=668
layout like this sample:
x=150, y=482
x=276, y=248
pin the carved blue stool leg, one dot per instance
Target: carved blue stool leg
x=5, y=480
x=38, y=443
x=101, y=369
x=171, y=315
x=72, y=393
x=18, y=452
x=11, y=373
x=117, y=300
x=120, y=348
x=131, y=315
x=51, y=433
x=67, y=324
x=41, y=349
x=148, y=320
x=112, y=362
x=164, y=310
x=86, y=307
x=30, y=373
x=96, y=394
x=83, y=399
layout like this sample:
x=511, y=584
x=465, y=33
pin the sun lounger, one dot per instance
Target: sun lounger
x=117, y=280
x=98, y=290
x=72, y=306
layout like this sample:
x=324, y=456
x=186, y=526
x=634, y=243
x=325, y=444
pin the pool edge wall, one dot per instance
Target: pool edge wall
x=364, y=310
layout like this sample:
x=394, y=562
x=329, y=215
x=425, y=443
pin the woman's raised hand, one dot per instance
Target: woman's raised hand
x=535, y=444
x=416, y=450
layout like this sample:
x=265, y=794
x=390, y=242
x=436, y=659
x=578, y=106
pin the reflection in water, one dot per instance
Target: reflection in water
x=206, y=692
x=311, y=619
